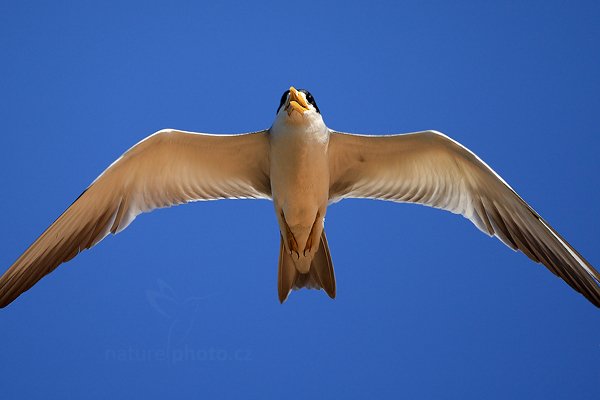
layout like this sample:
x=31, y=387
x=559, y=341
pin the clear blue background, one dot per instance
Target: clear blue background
x=184, y=303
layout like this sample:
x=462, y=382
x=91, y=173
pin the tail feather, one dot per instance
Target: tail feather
x=287, y=273
x=319, y=276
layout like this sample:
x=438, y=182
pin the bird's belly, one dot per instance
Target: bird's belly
x=300, y=181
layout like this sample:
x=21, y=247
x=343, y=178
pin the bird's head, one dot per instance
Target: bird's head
x=298, y=105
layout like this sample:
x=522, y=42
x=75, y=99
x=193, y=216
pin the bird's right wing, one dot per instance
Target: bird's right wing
x=165, y=169
x=431, y=169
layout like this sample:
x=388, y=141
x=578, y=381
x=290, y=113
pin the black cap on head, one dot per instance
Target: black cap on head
x=309, y=98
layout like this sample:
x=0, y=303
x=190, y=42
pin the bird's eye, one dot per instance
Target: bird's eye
x=310, y=99
x=283, y=99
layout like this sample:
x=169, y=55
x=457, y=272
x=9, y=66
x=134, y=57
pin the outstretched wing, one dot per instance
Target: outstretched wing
x=165, y=169
x=431, y=169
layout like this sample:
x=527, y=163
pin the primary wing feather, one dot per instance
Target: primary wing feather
x=431, y=169
x=165, y=169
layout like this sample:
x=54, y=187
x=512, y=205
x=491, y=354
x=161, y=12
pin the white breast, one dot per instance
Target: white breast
x=299, y=167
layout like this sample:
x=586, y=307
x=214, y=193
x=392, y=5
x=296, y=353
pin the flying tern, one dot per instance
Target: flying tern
x=302, y=166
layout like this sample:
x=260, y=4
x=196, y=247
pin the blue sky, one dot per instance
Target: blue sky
x=184, y=302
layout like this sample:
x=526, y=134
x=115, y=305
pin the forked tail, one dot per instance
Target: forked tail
x=319, y=276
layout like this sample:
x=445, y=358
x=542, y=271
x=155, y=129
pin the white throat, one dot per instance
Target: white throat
x=308, y=126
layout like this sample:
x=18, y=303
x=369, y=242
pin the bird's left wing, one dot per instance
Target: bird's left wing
x=167, y=168
x=431, y=169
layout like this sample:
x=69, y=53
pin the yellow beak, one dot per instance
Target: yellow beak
x=297, y=102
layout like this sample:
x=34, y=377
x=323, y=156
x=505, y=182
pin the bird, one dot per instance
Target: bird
x=302, y=166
